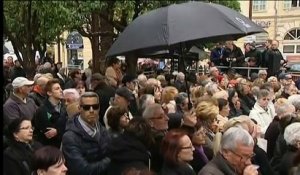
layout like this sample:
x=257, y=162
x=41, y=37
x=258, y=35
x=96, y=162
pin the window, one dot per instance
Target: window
x=293, y=34
x=295, y=3
x=288, y=48
x=291, y=3
x=298, y=49
x=292, y=39
x=259, y=5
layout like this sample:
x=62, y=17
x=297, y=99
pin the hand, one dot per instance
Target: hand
x=237, y=105
x=251, y=170
x=52, y=132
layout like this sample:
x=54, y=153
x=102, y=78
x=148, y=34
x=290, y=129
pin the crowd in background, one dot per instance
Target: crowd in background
x=168, y=123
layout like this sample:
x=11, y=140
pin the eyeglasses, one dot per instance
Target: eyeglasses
x=27, y=128
x=88, y=107
x=244, y=157
x=188, y=147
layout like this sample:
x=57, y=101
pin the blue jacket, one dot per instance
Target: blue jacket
x=83, y=153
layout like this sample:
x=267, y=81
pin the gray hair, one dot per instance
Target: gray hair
x=145, y=100
x=263, y=93
x=89, y=94
x=292, y=134
x=180, y=76
x=234, y=135
x=295, y=100
x=73, y=92
x=282, y=106
x=179, y=99
x=211, y=88
x=151, y=110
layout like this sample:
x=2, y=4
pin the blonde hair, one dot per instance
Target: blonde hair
x=169, y=93
x=207, y=109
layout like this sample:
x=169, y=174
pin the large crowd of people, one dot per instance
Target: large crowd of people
x=169, y=123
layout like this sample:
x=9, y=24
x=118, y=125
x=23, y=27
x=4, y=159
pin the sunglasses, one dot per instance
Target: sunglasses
x=88, y=107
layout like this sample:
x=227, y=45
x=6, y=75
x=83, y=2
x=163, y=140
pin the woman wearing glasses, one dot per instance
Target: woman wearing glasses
x=18, y=155
x=177, y=150
x=117, y=119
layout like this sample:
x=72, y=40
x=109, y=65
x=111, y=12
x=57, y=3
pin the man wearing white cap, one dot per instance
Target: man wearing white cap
x=18, y=104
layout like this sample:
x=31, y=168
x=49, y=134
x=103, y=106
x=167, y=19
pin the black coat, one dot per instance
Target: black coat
x=46, y=116
x=37, y=98
x=235, y=53
x=17, y=158
x=247, y=103
x=271, y=136
x=125, y=152
x=273, y=58
x=104, y=92
x=261, y=159
x=85, y=154
x=17, y=72
x=287, y=161
x=185, y=169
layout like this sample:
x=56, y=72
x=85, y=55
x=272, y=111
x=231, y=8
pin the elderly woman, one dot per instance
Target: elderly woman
x=17, y=156
x=168, y=98
x=292, y=138
x=49, y=160
x=177, y=150
x=261, y=112
x=207, y=111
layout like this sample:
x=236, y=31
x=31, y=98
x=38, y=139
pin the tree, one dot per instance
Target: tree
x=31, y=25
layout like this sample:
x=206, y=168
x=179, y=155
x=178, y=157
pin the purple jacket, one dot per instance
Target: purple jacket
x=14, y=108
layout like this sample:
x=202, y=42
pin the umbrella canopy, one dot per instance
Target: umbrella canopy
x=189, y=23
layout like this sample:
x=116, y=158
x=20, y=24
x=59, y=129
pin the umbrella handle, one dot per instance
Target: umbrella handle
x=190, y=105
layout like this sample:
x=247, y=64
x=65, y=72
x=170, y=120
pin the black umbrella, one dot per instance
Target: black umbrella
x=189, y=23
x=180, y=26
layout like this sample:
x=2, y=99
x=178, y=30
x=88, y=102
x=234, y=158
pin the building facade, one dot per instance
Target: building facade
x=281, y=19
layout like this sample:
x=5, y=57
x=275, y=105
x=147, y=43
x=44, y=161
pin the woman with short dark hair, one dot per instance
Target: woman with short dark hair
x=49, y=160
x=117, y=119
x=17, y=156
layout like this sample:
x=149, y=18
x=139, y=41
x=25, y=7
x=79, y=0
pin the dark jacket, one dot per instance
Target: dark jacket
x=17, y=158
x=271, y=136
x=256, y=54
x=287, y=161
x=85, y=154
x=37, y=98
x=235, y=53
x=198, y=162
x=247, y=103
x=17, y=72
x=273, y=58
x=185, y=169
x=46, y=116
x=104, y=92
x=217, y=166
x=234, y=112
x=215, y=55
x=126, y=152
x=261, y=159
x=16, y=108
x=156, y=155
